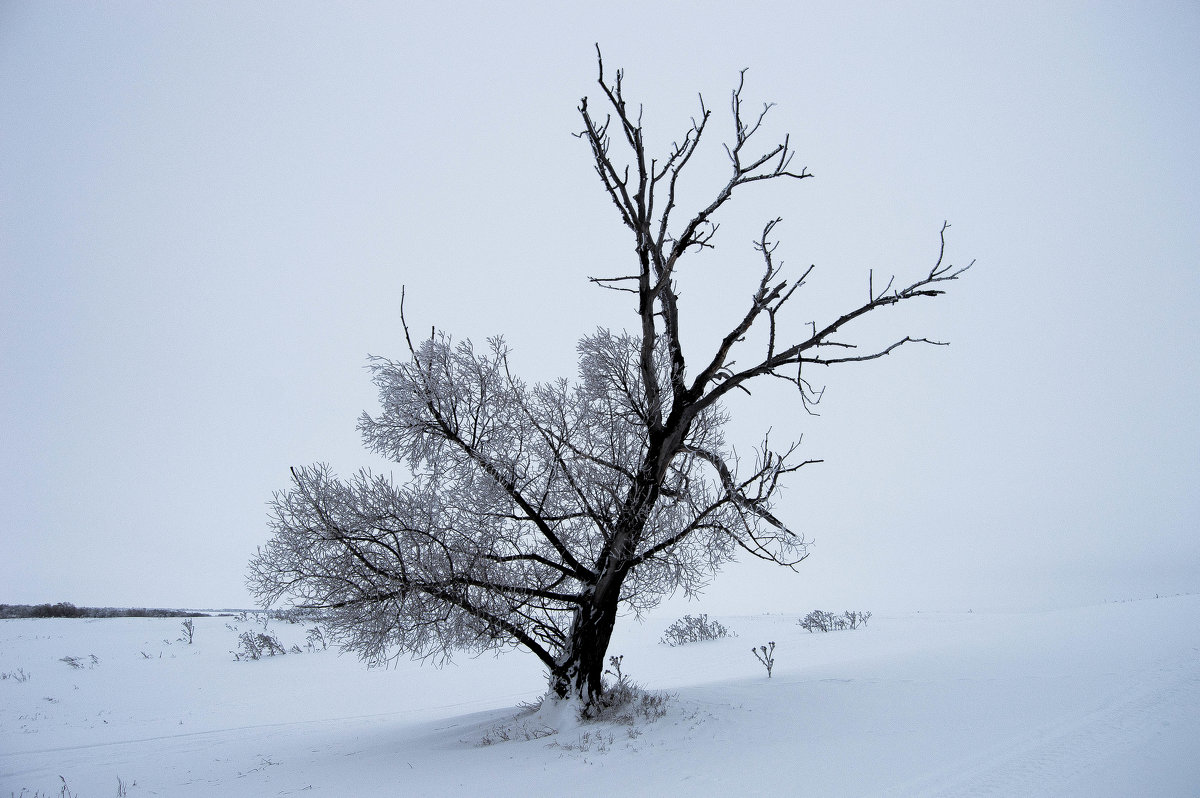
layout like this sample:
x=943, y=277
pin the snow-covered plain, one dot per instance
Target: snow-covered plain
x=1092, y=701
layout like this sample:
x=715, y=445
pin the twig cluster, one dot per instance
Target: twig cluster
x=765, y=655
x=188, y=628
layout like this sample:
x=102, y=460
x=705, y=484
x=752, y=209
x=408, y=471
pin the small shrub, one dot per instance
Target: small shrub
x=614, y=668
x=766, y=656
x=19, y=675
x=857, y=619
x=817, y=621
x=822, y=621
x=316, y=637
x=693, y=629
x=189, y=630
x=254, y=645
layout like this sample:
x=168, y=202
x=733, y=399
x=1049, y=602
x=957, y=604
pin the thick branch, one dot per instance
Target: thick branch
x=927, y=286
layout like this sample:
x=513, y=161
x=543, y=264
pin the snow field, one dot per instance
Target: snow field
x=1092, y=701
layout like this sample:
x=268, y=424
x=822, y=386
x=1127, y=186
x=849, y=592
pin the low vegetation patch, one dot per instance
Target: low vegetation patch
x=19, y=676
x=518, y=731
x=622, y=703
x=694, y=629
x=255, y=645
x=79, y=663
x=822, y=621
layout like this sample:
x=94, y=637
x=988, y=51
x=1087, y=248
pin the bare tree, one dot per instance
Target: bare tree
x=533, y=514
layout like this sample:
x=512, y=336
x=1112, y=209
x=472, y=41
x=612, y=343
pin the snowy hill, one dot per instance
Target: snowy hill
x=1093, y=701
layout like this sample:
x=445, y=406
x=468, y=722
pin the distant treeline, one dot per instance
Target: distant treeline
x=65, y=609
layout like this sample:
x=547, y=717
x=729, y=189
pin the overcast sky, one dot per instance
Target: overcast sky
x=208, y=210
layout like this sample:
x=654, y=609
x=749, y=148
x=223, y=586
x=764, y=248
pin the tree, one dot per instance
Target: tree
x=532, y=514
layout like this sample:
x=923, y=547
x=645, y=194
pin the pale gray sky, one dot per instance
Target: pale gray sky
x=207, y=212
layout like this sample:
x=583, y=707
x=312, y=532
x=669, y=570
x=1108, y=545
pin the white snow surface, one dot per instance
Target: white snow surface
x=1091, y=701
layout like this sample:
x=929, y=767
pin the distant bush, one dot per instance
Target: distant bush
x=63, y=609
x=693, y=629
x=822, y=621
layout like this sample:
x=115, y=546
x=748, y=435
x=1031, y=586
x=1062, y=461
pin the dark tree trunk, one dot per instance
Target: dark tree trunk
x=580, y=672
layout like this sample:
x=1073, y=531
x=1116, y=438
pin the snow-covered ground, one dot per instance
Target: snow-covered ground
x=1093, y=701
